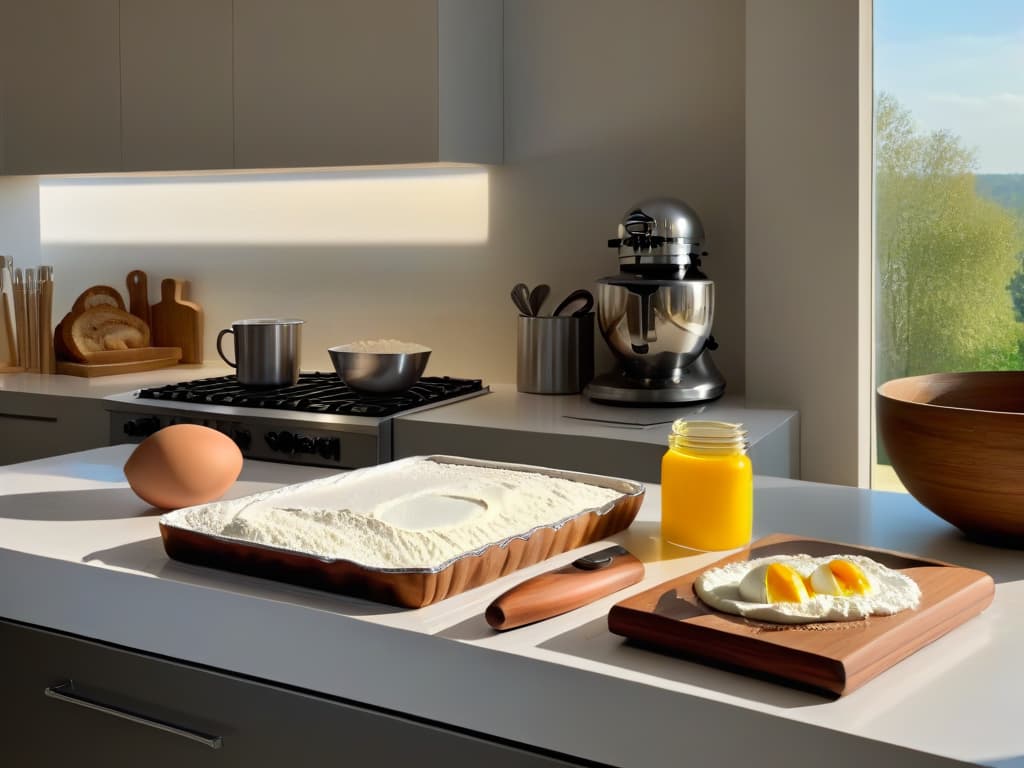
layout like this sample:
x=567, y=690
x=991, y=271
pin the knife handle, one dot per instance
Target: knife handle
x=565, y=589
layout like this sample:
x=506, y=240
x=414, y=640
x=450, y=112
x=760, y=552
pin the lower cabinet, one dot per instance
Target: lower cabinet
x=36, y=426
x=72, y=701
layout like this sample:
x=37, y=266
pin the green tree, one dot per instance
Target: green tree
x=945, y=255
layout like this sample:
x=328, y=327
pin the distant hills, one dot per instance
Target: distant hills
x=1007, y=189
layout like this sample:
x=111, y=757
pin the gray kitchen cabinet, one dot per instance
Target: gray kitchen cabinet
x=184, y=715
x=59, y=86
x=146, y=85
x=36, y=426
x=354, y=83
x=176, y=108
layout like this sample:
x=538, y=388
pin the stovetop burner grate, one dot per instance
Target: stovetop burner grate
x=315, y=393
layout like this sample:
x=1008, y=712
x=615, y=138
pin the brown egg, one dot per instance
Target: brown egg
x=182, y=465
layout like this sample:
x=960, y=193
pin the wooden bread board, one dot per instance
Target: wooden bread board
x=114, y=361
x=830, y=658
x=176, y=322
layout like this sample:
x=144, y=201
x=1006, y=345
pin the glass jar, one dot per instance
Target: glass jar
x=707, y=486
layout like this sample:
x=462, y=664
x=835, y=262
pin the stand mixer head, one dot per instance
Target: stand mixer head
x=656, y=314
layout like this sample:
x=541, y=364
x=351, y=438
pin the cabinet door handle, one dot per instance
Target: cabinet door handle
x=66, y=692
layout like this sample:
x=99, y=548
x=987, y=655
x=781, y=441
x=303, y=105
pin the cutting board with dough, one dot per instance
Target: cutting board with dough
x=176, y=322
x=830, y=658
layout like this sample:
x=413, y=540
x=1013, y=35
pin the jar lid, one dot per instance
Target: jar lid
x=709, y=436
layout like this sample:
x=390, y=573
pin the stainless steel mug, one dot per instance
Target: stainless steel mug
x=266, y=351
x=555, y=355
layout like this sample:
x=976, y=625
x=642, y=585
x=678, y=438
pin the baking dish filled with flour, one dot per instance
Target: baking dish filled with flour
x=410, y=532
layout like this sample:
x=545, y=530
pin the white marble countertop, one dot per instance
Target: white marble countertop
x=80, y=553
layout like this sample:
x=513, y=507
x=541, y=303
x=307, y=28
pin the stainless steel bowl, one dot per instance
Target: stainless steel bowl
x=379, y=372
x=655, y=327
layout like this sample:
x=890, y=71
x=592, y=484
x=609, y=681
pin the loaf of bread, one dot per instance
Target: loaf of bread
x=103, y=327
x=60, y=349
x=97, y=296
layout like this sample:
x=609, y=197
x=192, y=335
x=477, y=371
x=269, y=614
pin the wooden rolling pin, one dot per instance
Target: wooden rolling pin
x=565, y=589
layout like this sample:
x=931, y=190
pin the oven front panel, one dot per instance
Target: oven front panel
x=268, y=441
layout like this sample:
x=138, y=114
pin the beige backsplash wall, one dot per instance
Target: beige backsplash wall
x=596, y=118
x=19, y=219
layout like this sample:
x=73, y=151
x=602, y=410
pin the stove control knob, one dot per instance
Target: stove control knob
x=242, y=438
x=142, y=427
x=272, y=441
x=304, y=444
x=286, y=441
x=329, y=447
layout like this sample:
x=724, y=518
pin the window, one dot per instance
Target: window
x=949, y=189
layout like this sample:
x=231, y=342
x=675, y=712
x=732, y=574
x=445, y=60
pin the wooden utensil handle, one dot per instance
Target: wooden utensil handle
x=563, y=590
x=32, y=322
x=47, y=361
x=9, y=330
x=21, y=321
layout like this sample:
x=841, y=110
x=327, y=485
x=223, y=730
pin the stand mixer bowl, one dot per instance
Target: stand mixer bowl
x=655, y=328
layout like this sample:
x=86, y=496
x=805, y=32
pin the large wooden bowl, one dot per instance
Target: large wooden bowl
x=956, y=441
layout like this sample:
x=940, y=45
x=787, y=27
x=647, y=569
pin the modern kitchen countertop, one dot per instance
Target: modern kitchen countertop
x=573, y=432
x=101, y=386
x=80, y=553
x=507, y=409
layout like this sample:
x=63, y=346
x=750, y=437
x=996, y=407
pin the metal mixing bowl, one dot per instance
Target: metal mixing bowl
x=379, y=373
x=655, y=327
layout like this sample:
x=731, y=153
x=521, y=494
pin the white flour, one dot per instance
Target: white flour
x=383, y=347
x=411, y=514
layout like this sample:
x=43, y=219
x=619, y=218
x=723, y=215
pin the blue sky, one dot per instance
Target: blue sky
x=958, y=66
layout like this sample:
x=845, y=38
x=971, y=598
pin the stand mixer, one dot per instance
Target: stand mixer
x=656, y=314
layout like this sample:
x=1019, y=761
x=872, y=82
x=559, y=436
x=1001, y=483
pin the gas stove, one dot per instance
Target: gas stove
x=318, y=422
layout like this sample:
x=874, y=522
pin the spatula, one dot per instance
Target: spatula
x=521, y=298
x=538, y=296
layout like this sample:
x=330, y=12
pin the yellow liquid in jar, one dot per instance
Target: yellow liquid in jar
x=707, y=501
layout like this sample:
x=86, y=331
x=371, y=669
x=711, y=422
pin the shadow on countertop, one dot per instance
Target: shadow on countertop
x=148, y=556
x=76, y=505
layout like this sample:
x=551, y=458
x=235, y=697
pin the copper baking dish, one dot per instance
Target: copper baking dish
x=416, y=587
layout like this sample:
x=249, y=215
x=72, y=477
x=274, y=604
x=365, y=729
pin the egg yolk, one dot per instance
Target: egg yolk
x=850, y=578
x=784, y=585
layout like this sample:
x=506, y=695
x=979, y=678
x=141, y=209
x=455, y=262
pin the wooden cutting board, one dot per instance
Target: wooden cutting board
x=177, y=323
x=138, y=296
x=830, y=658
x=112, y=362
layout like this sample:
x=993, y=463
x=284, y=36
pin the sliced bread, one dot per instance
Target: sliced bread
x=97, y=296
x=103, y=327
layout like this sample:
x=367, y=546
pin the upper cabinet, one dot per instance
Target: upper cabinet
x=176, y=85
x=59, y=86
x=329, y=83
x=139, y=85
